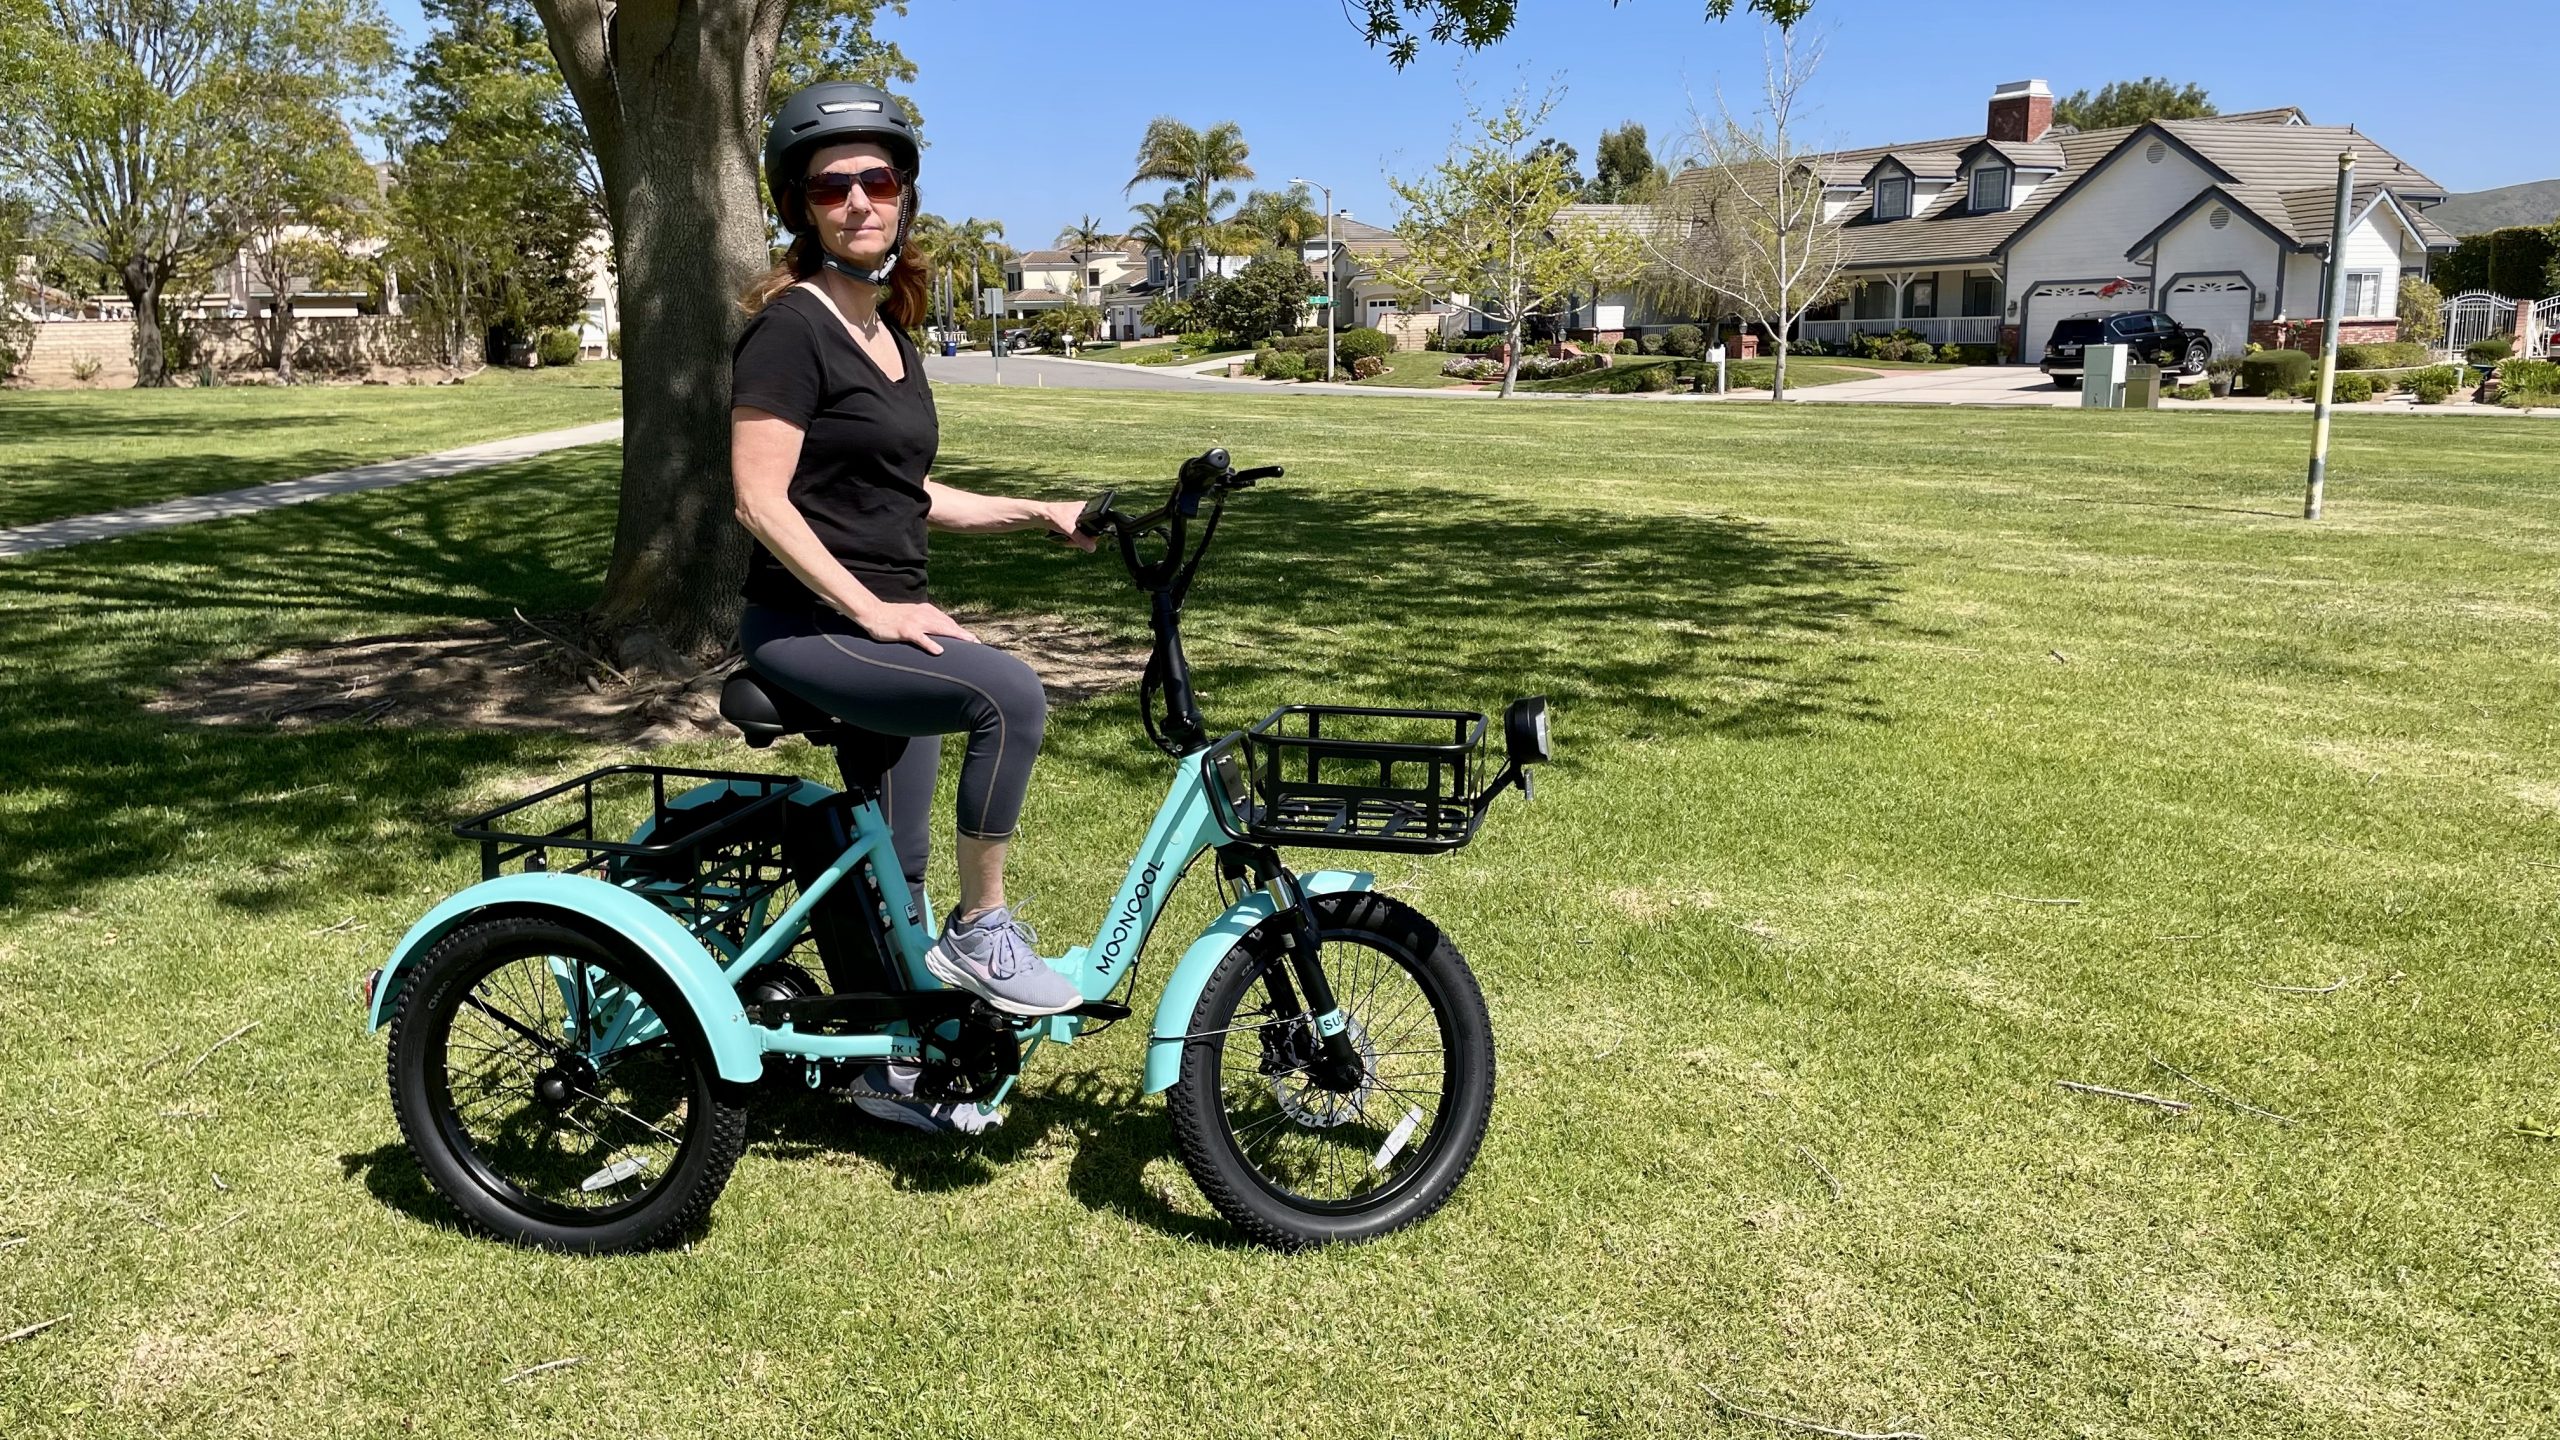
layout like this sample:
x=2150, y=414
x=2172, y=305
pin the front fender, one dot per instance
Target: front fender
x=1191, y=973
x=594, y=905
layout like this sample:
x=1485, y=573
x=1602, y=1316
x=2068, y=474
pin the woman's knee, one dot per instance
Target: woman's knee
x=1014, y=697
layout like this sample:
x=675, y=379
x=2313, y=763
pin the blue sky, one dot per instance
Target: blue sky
x=1034, y=110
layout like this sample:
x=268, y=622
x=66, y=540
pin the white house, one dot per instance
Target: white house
x=2223, y=222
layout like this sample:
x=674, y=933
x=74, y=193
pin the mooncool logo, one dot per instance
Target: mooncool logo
x=1125, y=923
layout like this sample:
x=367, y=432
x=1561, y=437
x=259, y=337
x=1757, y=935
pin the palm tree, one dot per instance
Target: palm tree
x=1197, y=161
x=1285, y=218
x=1166, y=228
x=965, y=256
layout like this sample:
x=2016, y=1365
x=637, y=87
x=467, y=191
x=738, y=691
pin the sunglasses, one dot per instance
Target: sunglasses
x=830, y=188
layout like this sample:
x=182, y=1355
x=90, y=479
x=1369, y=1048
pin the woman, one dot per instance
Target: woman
x=832, y=445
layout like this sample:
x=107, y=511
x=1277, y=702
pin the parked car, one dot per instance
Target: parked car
x=2151, y=333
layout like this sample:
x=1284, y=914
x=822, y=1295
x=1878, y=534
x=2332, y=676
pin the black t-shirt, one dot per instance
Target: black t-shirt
x=865, y=449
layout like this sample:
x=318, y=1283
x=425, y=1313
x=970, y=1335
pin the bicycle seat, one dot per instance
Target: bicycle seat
x=765, y=713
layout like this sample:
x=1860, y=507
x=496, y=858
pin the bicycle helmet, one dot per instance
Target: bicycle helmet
x=835, y=113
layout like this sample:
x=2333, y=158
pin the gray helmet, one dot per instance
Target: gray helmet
x=832, y=113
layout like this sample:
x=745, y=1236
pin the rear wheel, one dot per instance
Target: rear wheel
x=557, y=1091
x=2199, y=353
x=2066, y=382
x=1288, y=1159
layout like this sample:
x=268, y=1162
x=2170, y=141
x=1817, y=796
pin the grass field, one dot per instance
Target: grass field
x=1156, y=352
x=76, y=452
x=1910, y=763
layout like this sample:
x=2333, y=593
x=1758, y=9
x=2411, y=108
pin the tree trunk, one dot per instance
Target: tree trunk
x=673, y=95
x=282, y=328
x=142, y=285
x=1511, y=356
x=1778, y=377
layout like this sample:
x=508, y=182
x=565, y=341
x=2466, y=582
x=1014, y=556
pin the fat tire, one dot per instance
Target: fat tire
x=701, y=1174
x=1197, y=1113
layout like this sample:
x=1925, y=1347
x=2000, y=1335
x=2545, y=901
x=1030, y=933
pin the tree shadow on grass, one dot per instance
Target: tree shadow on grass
x=61, y=487
x=1637, y=624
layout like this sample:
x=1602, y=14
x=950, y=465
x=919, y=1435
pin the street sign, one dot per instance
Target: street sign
x=1319, y=299
x=991, y=300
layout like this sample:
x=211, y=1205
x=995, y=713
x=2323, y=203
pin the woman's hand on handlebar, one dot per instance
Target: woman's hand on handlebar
x=894, y=624
x=1061, y=516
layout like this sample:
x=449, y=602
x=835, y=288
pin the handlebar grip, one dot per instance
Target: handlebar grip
x=1245, y=478
x=1089, y=521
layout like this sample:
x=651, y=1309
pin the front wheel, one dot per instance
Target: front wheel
x=1292, y=1161
x=2199, y=354
x=557, y=1091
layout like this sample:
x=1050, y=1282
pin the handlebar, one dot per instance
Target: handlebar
x=1166, y=702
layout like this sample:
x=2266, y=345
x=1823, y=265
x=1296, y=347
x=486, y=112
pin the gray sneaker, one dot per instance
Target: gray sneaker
x=991, y=957
x=932, y=1117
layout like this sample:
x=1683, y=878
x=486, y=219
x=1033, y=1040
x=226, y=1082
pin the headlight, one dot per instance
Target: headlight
x=1524, y=731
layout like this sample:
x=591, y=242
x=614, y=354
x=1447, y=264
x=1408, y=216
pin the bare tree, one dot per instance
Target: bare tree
x=1745, y=228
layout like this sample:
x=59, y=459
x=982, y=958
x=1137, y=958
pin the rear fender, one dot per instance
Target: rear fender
x=1191, y=973
x=610, y=913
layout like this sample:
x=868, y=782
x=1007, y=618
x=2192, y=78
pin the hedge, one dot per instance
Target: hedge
x=2353, y=387
x=1283, y=365
x=2269, y=371
x=557, y=347
x=2489, y=351
x=1363, y=342
x=2529, y=382
x=2382, y=355
x=1686, y=341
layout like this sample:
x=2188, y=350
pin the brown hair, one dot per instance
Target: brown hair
x=903, y=300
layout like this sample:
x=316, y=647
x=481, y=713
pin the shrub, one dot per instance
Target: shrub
x=556, y=347
x=1970, y=354
x=2451, y=377
x=2529, y=375
x=1368, y=367
x=1168, y=316
x=2490, y=351
x=2278, y=393
x=1284, y=365
x=2197, y=391
x=85, y=367
x=1686, y=341
x=2385, y=355
x=2421, y=312
x=2353, y=388
x=1363, y=342
x=1540, y=367
x=2431, y=392
x=2271, y=370
x=1435, y=341
x=1651, y=344
x=1202, y=339
x=1463, y=367
x=1626, y=347
x=1472, y=344
x=613, y=343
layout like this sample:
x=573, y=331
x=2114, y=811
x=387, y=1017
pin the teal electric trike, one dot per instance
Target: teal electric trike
x=575, y=1038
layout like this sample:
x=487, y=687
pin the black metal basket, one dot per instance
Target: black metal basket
x=708, y=862
x=1349, y=777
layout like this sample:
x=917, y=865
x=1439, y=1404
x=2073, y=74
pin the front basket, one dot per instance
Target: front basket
x=1348, y=777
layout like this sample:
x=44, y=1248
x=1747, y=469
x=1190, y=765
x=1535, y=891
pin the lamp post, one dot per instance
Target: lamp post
x=2334, y=300
x=1328, y=272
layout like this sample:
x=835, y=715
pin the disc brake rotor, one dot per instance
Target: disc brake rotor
x=1317, y=1108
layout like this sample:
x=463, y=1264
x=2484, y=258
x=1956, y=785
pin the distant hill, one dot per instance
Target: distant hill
x=2536, y=202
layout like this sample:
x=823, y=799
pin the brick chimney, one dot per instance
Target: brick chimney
x=2021, y=110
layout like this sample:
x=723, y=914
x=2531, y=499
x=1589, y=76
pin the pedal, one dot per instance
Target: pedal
x=1105, y=1010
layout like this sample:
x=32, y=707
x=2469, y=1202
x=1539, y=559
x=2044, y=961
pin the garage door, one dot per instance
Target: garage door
x=2057, y=300
x=2219, y=306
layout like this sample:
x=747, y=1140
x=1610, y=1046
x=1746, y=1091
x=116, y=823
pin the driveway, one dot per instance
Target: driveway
x=1970, y=385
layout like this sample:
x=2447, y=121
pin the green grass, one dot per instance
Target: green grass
x=76, y=452
x=1411, y=370
x=1833, y=689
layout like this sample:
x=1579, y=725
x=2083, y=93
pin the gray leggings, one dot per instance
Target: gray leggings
x=898, y=690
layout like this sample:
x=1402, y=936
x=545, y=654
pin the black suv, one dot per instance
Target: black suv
x=2155, y=338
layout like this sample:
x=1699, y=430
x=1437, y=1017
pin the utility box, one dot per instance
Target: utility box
x=2142, y=387
x=2102, y=374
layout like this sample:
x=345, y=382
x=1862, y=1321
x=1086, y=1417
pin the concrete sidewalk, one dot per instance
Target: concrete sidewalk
x=78, y=529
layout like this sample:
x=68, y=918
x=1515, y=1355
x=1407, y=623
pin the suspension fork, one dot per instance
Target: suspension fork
x=1337, y=1064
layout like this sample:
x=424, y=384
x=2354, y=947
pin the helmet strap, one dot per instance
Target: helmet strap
x=888, y=262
